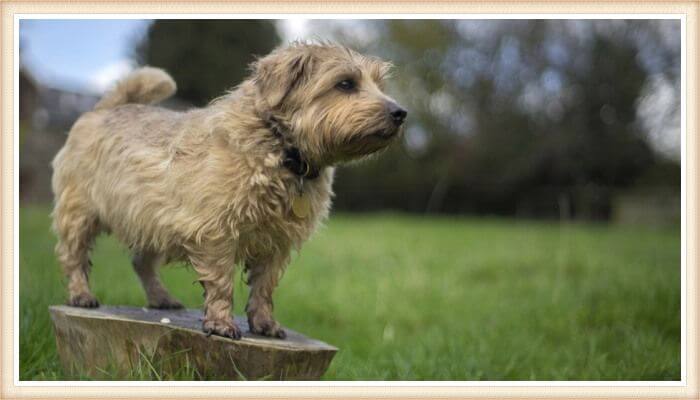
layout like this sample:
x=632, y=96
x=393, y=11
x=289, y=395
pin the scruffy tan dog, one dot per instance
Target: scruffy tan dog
x=241, y=182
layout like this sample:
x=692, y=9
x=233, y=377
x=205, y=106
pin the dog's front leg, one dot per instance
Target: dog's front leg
x=263, y=275
x=216, y=275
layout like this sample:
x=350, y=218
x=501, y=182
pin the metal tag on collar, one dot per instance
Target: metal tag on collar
x=301, y=204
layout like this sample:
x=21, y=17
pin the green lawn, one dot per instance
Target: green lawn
x=414, y=298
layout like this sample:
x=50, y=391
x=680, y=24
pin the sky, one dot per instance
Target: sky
x=90, y=55
x=83, y=55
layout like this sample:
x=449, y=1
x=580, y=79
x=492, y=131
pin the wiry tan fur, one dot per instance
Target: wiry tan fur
x=207, y=186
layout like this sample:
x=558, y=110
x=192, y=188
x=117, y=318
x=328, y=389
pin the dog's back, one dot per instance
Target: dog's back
x=146, y=85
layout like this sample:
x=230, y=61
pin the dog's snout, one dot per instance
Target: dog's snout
x=397, y=113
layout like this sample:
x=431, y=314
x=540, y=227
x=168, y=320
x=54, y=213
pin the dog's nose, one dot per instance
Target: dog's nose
x=398, y=114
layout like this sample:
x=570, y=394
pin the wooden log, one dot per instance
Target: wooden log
x=111, y=342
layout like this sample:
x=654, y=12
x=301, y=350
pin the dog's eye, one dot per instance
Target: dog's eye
x=346, y=85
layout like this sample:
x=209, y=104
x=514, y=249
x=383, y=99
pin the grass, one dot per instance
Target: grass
x=414, y=298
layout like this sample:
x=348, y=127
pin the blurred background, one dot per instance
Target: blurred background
x=566, y=119
x=526, y=227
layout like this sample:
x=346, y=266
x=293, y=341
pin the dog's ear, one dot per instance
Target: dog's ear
x=277, y=74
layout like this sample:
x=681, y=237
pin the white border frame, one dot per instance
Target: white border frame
x=596, y=16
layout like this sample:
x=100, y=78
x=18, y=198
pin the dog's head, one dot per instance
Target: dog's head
x=332, y=98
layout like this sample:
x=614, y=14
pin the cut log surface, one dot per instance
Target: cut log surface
x=111, y=342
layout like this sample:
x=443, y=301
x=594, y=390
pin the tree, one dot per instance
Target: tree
x=206, y=57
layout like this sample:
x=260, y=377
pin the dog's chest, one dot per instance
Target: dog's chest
x=279, y=222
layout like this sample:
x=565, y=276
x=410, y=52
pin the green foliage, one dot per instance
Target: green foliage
x=206, y=57
x=414, y=298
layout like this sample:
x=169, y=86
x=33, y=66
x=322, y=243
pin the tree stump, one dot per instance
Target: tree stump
x=116, y=342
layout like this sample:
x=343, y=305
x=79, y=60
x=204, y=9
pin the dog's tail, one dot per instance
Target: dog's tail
x=146, y=85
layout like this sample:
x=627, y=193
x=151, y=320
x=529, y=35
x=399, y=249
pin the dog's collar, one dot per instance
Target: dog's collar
x=293, y=160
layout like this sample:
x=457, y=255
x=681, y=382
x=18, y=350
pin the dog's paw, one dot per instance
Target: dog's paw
x=266, y=327
x=166, y=304
x=221, y=327
x=85, y=300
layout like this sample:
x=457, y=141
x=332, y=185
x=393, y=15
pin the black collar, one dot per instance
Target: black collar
x=293, y=159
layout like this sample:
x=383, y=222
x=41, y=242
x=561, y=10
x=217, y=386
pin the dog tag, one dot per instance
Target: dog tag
x=301, y=206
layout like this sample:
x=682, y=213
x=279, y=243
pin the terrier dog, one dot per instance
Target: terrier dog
x=243, y=181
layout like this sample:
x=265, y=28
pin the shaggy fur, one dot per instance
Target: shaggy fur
x=207, y=186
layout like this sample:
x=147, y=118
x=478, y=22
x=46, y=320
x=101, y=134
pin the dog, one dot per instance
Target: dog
x=243, y=181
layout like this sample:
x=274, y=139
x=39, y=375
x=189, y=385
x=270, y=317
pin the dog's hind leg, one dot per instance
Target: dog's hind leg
x=146, y=265
x=76, y=228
